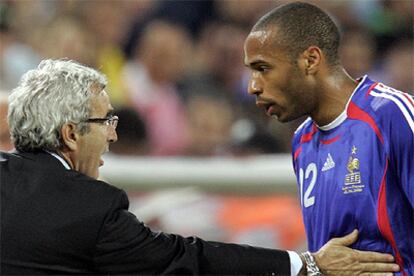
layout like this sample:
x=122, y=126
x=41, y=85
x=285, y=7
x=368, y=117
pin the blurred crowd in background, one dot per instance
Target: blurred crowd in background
x=175, y=68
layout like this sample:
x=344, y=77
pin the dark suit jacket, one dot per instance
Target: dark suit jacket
x=60, y=221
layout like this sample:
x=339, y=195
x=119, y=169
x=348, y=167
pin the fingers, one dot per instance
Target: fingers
x=348, y=239
x=367, y=256
x=377, y=274
x=379, y=267
x=330, y=273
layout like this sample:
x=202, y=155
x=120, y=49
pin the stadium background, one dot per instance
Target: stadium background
x=194, y=153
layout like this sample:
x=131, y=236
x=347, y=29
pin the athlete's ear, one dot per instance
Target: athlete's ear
x=69, y=136
x=311, y=60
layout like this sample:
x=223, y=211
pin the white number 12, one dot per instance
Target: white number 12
x=307, y=200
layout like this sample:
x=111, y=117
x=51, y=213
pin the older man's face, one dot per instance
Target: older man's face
x=93, y=144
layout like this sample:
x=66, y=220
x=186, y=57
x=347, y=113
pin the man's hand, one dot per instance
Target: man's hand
x=336, y=258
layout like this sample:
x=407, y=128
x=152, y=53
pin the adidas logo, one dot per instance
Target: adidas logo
x=329, y=163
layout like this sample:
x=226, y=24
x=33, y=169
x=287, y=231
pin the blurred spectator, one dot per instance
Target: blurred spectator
x=5, y=141
x=109, y=37
x=16, y=57
x=151, y=78
x=210, y=119
x=132, y=134
x=191, y=15
x=248, y=139
x=358, y=52
x=220, y=58
x=390, y=22
x=398, y=68
x=244, y=13
x=71, y=38
x=218, y=69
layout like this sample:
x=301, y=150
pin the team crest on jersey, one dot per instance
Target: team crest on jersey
x=353, y=177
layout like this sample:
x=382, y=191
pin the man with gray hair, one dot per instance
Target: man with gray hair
x=56, y=217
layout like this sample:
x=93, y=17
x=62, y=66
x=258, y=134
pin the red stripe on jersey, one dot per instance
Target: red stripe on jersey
x=303, y=139
x=384, y=222
x=356, y=113
x=308, y=136
x=409, y=98
x=297, y=152
x=370, y=88
x=330, y=141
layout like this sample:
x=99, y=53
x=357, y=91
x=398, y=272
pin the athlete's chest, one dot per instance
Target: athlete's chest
x=340, y=170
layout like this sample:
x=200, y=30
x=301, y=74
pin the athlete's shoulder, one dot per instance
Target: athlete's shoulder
x=302, y=131
x=378, y=102
x=391, y=105
x=304, y=127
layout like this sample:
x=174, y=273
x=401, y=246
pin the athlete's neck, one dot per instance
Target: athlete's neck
x=335, y=90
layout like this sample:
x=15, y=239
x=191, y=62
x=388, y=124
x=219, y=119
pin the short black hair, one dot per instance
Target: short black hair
x=302, y=25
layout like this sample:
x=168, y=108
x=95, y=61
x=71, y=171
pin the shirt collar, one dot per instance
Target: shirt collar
x=61, y=160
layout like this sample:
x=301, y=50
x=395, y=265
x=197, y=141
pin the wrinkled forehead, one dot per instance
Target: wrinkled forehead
x=99, y=96
x=100, y=104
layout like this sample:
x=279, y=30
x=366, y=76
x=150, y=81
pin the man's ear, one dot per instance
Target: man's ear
x=70, y=136
x=312, y=60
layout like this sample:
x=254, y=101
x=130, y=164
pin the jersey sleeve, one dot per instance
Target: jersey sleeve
x=399, y=129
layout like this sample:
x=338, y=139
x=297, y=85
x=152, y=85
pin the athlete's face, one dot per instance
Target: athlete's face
x=279, y=83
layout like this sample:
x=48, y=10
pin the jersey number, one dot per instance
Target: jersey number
x=307, y=200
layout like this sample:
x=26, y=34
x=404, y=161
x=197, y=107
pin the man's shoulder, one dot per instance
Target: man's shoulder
x=306, y=128
x=6, y=156
x=304, y=133
x=388, y=111
x=383, y=100
x=44, y=171
x=15, y=162
x=391, y=106
x=90, y=185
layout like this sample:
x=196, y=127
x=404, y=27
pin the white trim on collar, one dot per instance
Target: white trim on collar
x=63, y=161
x=342, y=117
x=338, y=120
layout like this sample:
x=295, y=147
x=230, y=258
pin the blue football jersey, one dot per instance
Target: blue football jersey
x=358, y=173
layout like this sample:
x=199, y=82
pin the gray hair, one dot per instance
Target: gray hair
x=55, y=93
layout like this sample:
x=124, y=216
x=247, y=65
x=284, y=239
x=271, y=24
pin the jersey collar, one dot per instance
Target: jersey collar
x=342, y=117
